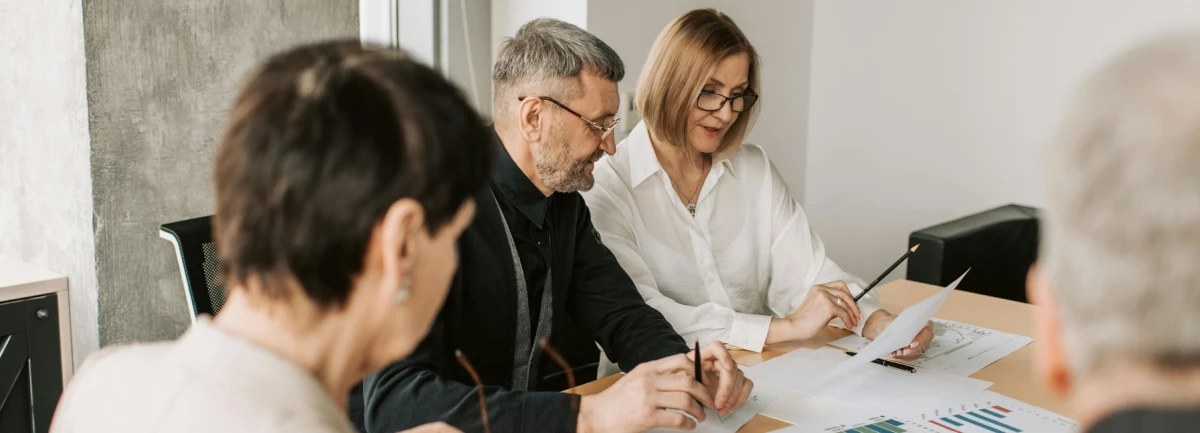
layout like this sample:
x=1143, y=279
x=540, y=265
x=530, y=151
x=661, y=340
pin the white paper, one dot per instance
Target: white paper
x=870, y=386
x=956, y=348
x=795, y=407
x=964, y=416
x=899, y=333
x=730, y=423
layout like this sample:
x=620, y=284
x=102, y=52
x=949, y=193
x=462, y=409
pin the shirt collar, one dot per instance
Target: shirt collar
x=518, y=189
x=643, y=162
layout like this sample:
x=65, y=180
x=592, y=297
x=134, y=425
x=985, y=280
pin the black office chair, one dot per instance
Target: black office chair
x=198, y=263
x=998, y=245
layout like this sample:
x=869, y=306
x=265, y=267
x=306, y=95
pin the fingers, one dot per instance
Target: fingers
x=717, y=358
x=840, y=311
x=675, y=420
x=684, y=382
x=672, y=364
x=720, y=356
x=747, y=387
x=841, y=291
x=918, y=345
x=680, y=401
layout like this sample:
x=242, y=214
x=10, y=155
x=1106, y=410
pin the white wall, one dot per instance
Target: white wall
x=780, y=31
x=924, y=111
x=509, y=15
x=45, y=157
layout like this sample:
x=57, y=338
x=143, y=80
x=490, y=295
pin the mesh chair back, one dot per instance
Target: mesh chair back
x=198, y=264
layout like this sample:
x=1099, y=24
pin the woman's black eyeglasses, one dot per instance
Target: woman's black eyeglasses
x=713, y=101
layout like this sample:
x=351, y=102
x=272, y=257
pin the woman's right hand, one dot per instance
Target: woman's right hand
x=437, y=427
x=823, y=303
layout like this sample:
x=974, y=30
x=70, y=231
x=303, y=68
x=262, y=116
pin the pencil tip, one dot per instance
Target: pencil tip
x=914, y=248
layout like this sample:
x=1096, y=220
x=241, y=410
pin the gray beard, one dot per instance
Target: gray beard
x=558, y=172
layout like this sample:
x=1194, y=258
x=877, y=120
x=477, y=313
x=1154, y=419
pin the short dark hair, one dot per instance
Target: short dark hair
x=322, y=140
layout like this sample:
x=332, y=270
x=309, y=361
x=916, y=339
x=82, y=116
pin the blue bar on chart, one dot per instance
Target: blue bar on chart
x=994, y=421
x=886, y=426
x=989, y=412
x=978, y=424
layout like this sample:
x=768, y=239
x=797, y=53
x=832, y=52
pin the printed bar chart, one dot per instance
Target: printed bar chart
x=885, y=426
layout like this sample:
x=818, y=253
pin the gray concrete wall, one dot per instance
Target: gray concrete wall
x=161, y=77
x=45, y=170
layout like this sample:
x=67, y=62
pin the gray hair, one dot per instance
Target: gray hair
x=551, y=54
x=1121, y=246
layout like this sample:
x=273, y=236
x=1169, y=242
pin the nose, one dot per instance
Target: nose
x=609, y=144
x=725, y=114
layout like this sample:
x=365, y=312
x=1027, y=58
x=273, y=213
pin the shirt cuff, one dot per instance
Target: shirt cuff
x=749, y=331
x=550, y=410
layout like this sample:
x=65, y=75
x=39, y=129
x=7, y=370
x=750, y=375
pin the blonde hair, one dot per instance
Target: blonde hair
x=684, y=57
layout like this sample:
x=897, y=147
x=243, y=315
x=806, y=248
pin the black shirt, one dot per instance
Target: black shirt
x=592, y=297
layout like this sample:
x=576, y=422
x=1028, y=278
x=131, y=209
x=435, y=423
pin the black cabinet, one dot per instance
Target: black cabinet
x=30, y=364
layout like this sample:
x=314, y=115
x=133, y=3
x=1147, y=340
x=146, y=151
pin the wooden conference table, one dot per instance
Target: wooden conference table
x=1012, y=376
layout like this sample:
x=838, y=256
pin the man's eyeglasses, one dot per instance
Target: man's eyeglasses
x=713, y=101
x=546, y=347
x=604, y=130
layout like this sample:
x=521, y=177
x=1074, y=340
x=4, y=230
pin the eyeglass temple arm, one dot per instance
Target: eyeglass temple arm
x=562, y=362
x=462, y=360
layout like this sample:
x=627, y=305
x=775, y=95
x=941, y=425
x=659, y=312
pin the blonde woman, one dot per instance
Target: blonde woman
x=705, y=225
x=343, y=181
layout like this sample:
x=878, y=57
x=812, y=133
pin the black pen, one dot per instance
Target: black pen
x=886, y=363
x=698, y=377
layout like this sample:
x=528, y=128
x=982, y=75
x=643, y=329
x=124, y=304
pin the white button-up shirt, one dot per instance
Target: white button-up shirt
x=747, y=255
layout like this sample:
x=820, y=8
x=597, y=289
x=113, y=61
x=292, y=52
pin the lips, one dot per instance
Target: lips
x=711, y=132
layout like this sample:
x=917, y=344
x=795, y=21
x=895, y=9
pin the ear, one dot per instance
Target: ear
x=531, y=119
x=400, y=233
x=1049, y=355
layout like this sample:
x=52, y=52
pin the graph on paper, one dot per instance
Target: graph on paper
x=956, y=347
x=851, y=423
x=988, y=412
x=879, y=425
x=993, y=414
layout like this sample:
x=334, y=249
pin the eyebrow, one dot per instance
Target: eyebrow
x=719, y=83
x=604, y=115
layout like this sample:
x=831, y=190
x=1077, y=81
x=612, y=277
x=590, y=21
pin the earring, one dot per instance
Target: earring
x=405, y=288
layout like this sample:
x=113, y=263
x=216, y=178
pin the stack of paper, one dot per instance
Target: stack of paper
x=957, y=348
x=899, y=333
x=862, y=386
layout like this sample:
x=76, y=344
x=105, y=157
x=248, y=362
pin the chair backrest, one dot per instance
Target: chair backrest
x=998, y=245
x=198, y=264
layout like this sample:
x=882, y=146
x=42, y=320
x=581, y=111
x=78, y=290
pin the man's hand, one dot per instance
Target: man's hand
x=437, y=427
x=650, y=396
x=725, y=381
x=881, y=319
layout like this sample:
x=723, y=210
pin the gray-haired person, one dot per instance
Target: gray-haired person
x=1119, y=278
x=533, y=268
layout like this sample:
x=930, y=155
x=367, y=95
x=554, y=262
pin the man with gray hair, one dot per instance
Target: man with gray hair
x=534, y=273
x=1119, y=277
